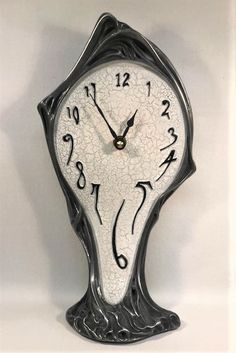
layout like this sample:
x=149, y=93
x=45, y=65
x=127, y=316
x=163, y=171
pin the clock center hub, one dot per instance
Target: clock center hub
x=119, y=142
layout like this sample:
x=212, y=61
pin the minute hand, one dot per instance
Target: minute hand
x=102, y=114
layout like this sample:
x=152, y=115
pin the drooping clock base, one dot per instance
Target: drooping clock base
x=135, y=318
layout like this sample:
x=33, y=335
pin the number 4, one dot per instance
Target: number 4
x=170, y=159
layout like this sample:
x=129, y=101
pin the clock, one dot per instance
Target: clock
x=119, y=132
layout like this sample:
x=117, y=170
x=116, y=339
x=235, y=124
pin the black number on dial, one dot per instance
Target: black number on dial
x=81, y=182
x=91, y=90
x=73, y=113
x=121, y=260
x=69, y=138
x=95, y=190
x=149, y=87
x=170, y=159
x=144, y=185
x=125, y=82
x=167, y=104
x=171, y=131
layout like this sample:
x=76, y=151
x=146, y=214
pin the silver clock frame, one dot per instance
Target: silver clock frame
x=136, y=317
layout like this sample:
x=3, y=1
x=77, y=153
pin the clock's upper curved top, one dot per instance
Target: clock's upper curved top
x=122, y=89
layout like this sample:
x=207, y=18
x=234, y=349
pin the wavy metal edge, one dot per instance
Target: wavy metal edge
x=137, y=316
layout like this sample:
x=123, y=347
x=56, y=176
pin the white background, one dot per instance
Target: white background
x=43, y=266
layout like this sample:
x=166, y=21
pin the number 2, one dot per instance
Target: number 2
x=167, y=104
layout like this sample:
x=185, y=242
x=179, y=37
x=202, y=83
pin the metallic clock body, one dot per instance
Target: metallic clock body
x=135, y=316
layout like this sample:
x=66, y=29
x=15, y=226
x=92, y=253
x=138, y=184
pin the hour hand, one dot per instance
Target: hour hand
x=130, y=123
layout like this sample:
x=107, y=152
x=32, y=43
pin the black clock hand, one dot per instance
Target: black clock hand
x=102, y=114
x=130, y=123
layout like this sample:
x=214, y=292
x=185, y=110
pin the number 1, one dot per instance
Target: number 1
x=149, y=87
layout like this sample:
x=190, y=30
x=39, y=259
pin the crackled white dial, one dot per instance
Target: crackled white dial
x=119, y=139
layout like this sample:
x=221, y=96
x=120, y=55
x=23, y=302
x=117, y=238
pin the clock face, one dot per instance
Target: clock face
x=119, y=141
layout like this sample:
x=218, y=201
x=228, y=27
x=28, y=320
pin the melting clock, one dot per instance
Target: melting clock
x=119, y=132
